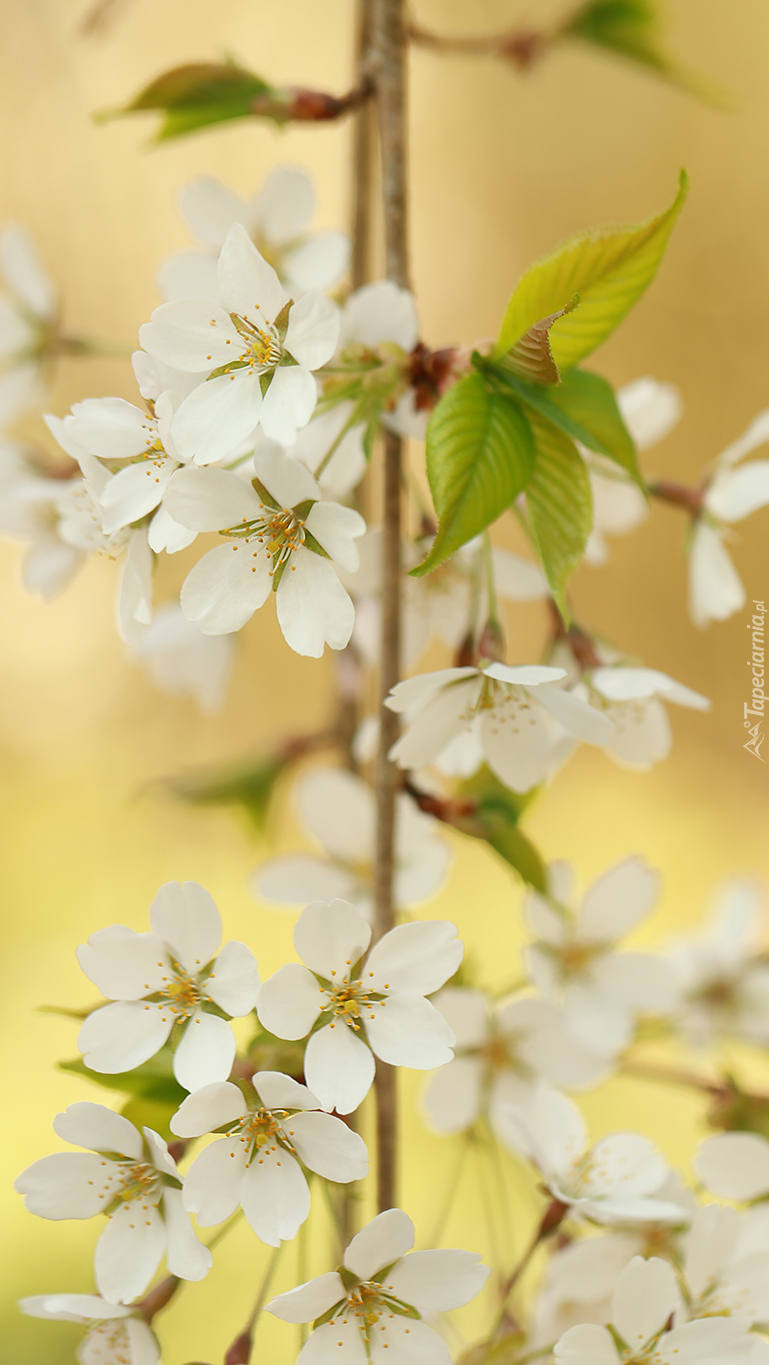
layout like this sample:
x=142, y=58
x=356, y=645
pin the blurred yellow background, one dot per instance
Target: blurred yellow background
x=503, y=167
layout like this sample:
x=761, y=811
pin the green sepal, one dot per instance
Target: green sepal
x=281, y=322
x=266, y=497
x=310, y=543
x=402, y=1310
x=196, y=96
x=328, y=1315
x=480, y=456
x=560, y=506
x=154, y=1080
x=609, y=267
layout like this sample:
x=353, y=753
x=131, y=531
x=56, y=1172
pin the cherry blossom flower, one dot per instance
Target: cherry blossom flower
x=168, y=983
x=506, y=707
x=650, y=411
x=734, y=1165
x=500, y=1049
x=379, y=321
x=257, y=348
x=376, y=1299
x=726, y=1264
x=339, y=810
x=645, y=1297
x=182, y=661
x=617, y=1180
x=632, y=698
x=280, y=538
x=130, y=1177
x=115, y=1334
x=30, y=504
x=28, y=312
x=575, y=960
x=723, y=983
x=258, y=1164
x=355, y=1006
x=276, y=219
x=715, y=588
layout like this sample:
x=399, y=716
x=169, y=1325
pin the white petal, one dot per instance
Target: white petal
x=436, y=1281
x=67, y=1185
x=384, y=1240
x=734, y=1165
x=248, y=285
x=71, y=1307
x=212, y=1185
x=516, y=741
x=735, y=495
x=142, y=1343
x=380, y=312
x=642, y=734
x=209, y=209
x=407, y=1030
x=134, y=602
x=619, y=900
x=159, y=1154
x=709, y=1245
x=524, y=675
x=313, y=330
x=331, y=937
x=278, y=1091
x=326, y=1145
x=128, y=1252
x=645, y=1296
x=338, y=808
x=289, y=1002
x=207, y=1109
x=135, y=491
x=649, y=409
x=217, y=416
x=339, y=1068
x=308, y=1301
x=186, y=1256
x=185, y=916
x=317, y=263
x=24, y=271
x=440, y=720
x=466, y=1012
x=122, y=964
x=625, y=1163
x=205, y=1053
x=313, y=607
x=275, y=1196
x=288, y=403
x=586, y=1345
x=323, y=1345
x=111, y=429
x=576, y=716
x=285, y=205
x=415, y=692
x=757, y=434
x=516, y=579
x=453, y=1098
x=192, y=336
x=119, y=1037
x=211, y=499
x=93, y=1125
x=715, y=588
x=234, y=985
x=298, y=878
x=163, y=533
x=289, y=481
x=415, y=958
x=336, y=528
x=225, y=588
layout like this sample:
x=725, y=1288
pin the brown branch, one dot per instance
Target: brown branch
x=678, y=495
x=520, y=46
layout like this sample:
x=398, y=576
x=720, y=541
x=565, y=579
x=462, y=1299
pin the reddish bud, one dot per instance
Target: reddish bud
x=240, y=1350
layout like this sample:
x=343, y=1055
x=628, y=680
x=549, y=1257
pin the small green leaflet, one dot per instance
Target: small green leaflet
x=480, y=454
x=608, y=267
x=560, y=506
x=531, y=357
x=196, y=95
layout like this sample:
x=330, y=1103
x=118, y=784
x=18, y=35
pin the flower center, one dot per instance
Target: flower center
x=366, y=1304
x=181, y=993
x=281, y=532
x=264, y=348
x=137, y=1181
x=351, y=1002
x=262, y=1131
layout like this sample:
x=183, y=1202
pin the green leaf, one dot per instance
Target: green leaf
x=632, y=29
x=531, y=357
x=584, y=407
x=560, y=506
x=495, y=819
x=195, y=96
x=608, y=267
x=153, y=1080
x=480, y=455
x=519, y=852
x=248, y=785
x=155, y=1114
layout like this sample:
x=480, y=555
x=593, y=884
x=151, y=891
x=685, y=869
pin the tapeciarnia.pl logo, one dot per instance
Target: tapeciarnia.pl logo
x=755, y=707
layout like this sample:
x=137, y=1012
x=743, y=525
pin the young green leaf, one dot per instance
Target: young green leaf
x=153, y=1081
x=480, y=454
x=531, y=357
x=196, y=95
x=495, y=820
x=560, y=506
x=519, y=852
x=609, y=268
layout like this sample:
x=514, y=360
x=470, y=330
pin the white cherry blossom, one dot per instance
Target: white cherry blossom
x=280, y=538
x=28, y=314
x=30, y=507
x=182, y=661
x=115, y=1333
x=726, y=1266
x=650, y=411
x=258, y=1164
x=277, y=220
x=575, y=959
x=130, y=1177
x=722, y=979
x=501, y=1048
x=356, y=1006
x=716, y=591
x=381, y=318
x=616, y=1180
x=506, y=707
x=255, y=350
x=734, y=1165
x=633, y=699
x=645, y=1297
x=168, y=983
x=338, y=808
x=376, y=1299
